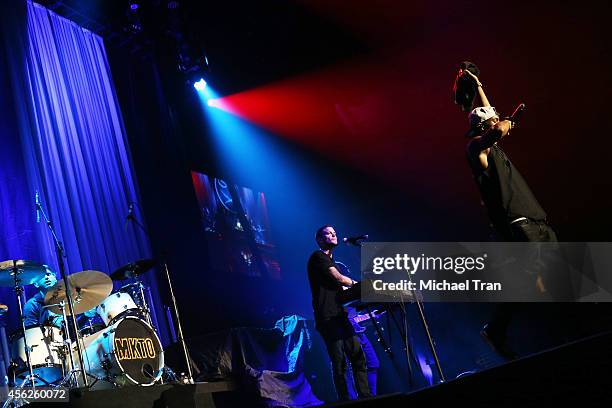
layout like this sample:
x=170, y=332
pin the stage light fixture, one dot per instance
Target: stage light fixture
x=134, y=25
x=195, y=69
x=200, y=85
x=190, y=59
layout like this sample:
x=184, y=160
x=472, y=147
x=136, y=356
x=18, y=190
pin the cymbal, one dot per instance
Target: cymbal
x=133, y=269
x=89, y=289
x=28, y=272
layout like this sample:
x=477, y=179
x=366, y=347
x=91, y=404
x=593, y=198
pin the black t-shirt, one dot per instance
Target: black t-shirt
x=324, y=287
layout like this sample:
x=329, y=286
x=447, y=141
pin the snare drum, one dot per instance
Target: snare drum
x=116, y=305
x=128, y=352
x=47, y=356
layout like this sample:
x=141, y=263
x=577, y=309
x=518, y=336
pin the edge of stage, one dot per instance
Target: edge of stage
x=577, y=371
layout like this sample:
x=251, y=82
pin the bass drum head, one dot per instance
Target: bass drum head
x=138, y=351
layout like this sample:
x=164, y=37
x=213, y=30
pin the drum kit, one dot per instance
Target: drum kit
x=123, y=350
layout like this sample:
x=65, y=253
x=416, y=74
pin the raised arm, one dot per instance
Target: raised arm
x=481, y=94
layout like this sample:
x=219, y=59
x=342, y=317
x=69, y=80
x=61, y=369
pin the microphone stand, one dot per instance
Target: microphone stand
x=430, y=340
x=181, y=338
x=61, y=254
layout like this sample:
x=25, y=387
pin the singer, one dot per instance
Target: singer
x=513, y=209
x=331, y=320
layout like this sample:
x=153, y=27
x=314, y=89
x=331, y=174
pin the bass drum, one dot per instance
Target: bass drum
x=128, y=352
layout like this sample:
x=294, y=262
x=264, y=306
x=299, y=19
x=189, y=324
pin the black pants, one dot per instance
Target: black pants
x=522, y=231
x=532, y=231
x=343, y=344
x=372, y=363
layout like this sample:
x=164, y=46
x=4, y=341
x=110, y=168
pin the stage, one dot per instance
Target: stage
x=190, y=189
x=575, y=373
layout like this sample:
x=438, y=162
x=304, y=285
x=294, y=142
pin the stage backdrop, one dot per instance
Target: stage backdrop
x=63, y=136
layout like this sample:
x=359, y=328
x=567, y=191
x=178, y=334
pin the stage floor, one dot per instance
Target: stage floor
x=576, y=372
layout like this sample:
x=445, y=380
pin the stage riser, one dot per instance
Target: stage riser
x=578, y=372
x=201, y=395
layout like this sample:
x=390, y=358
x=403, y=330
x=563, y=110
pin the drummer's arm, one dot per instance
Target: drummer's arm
x=55, y=319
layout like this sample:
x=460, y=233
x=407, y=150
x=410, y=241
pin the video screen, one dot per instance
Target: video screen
x=237, y=227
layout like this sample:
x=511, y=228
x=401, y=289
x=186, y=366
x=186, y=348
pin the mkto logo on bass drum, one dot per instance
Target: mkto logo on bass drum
x=134, y=348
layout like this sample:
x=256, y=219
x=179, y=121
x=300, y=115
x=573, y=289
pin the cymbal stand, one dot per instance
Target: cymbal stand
x=61, y=254
x=179, y=326
x=18, y=292
x=67, y=344
x=145, y=305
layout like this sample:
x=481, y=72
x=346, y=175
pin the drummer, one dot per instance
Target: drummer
x=34, y=312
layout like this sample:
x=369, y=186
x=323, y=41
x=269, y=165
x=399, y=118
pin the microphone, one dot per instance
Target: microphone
x=130, y=213
x=517, y=113
x=37, y=200
x=356, y=241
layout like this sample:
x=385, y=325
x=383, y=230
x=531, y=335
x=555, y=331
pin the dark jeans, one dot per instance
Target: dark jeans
x=522, y=231
x=372, y=363
x=532, y=231
x=343, y=344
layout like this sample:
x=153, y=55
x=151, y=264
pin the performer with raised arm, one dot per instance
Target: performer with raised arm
x=513, y=209
x=331, y=319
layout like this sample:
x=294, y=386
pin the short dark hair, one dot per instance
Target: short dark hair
x=319, y=233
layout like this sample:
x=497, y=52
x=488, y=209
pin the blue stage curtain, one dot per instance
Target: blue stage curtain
x=73, y=144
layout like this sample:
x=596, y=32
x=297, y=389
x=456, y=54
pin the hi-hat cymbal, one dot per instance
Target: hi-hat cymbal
x=133, y=269
x=89, y=289
x=27, y=272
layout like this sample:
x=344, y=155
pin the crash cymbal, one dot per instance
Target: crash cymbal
x=133, y=269
x=89, y=289
x=28, y=272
